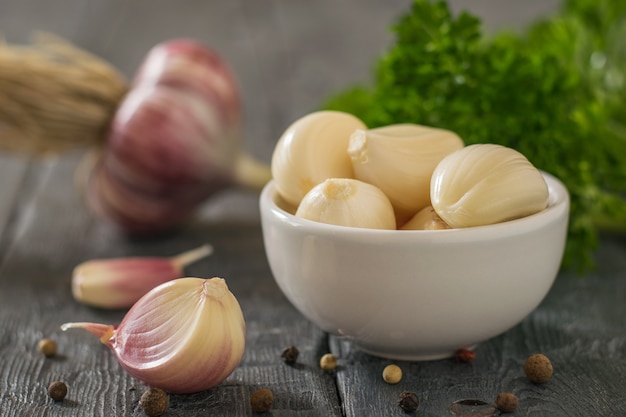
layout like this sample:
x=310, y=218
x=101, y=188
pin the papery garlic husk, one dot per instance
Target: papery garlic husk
x=486, y=184
x=425, y=219
x=347, y=202
x=400, y=159
x=312, y=149
x=184, y=336
x=120, y=282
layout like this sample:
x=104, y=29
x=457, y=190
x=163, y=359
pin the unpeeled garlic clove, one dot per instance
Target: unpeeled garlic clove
x=400, y=159
x=312, y=149
x=347, y=202
x=425, y=219
x=119, y=283
x=184, y=336
x=485, y=184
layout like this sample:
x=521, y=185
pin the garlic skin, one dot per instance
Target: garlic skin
x=120, y=282
x=485, y=184
x=347, y=202
x=425, y=219
x=400, y=159
x=312, y=149
x=184, y=336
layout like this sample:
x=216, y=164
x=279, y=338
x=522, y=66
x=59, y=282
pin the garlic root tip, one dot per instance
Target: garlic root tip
x=102, y=331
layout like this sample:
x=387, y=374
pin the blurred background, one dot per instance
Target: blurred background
x=288, y=55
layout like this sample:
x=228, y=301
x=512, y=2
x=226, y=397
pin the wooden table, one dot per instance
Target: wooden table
x=288, y=56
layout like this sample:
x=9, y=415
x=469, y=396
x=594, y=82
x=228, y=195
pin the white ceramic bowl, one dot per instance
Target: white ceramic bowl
x=416, y=295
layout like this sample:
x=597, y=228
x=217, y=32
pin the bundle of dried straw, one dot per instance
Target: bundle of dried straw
x=55, y=96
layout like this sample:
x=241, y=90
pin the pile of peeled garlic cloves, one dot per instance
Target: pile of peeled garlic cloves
x=331, y=168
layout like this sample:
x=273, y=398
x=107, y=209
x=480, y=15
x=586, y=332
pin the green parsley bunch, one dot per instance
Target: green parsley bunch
x=556, y=93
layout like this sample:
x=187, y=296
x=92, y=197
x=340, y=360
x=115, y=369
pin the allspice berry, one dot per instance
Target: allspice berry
x=507, y=402
x=154, y=402
x=57, y=390
x=328, y=362
x=48, y=347
x=290, y=355
x=538, y=368
x=408, y=401
x=392, y=374
x=262, y=400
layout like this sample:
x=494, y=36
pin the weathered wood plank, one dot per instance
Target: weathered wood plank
x=12, y=175
x=580, y=326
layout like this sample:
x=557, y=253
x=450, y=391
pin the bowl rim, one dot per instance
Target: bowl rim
x=558, y=205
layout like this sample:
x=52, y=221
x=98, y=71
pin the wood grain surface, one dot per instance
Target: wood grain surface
x=288, y=56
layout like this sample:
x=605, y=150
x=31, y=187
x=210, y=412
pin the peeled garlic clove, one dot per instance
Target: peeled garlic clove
x=311, y=150
x=119, y=283
x=347, y=202
x=184, y=336
x=400, y=159
x=425, y=219
x=485, y=184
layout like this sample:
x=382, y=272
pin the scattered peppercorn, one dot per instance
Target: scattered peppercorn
x=465, y=355
x=57, y=390
x=506, y=402
x=328, y=362
x=538, y=368
x=408, y=401
x=154, y=402
x=392, y=374
x=290, y=355
x=48, y=347
x=262, y=400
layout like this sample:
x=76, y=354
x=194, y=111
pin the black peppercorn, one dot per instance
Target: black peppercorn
x=408, y=401
x=262, y=400
x=154, y=402
x=57, y=390
x=290, y=355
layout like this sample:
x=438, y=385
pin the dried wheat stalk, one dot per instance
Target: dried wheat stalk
x=55, y=96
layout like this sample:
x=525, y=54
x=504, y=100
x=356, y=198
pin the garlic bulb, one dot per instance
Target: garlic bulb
x=425, y=219
x=485, y=184
x=347, y=202
x=184, y=336
x=173, y=142
x=400, y=159
x=311, y=150
x=119, y=283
